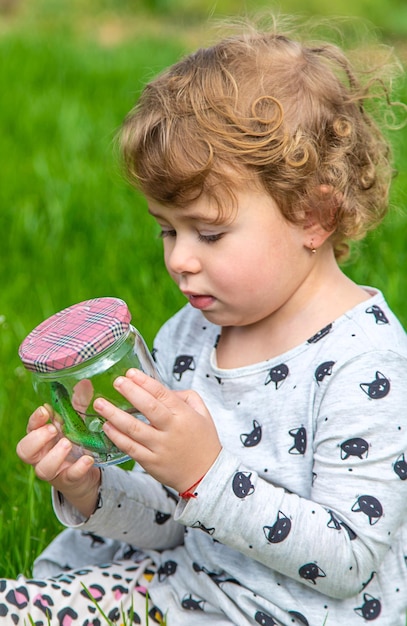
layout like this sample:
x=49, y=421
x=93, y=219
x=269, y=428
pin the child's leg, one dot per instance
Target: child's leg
x=74, y=549
x=119, y=588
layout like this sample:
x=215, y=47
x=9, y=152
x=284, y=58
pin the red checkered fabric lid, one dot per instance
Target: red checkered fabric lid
x=75, y=334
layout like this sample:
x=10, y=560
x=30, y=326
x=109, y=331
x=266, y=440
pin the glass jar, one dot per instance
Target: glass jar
x=74, y=357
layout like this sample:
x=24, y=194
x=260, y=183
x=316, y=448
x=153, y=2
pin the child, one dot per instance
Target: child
x=273, y=486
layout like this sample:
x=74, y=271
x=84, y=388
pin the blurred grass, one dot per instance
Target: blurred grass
x=71, y=227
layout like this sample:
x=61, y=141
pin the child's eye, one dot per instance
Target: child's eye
x=167, y=233
x=210, y=238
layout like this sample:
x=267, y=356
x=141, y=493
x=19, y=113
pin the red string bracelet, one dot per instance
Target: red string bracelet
x=186, y=495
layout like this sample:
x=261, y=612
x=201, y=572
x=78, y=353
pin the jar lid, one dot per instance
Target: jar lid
x=75, y=334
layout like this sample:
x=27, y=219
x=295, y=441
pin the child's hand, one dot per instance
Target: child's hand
x=181, y=442
x=44, y=449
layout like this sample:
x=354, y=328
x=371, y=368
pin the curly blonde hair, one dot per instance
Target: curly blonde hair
x=261, y=106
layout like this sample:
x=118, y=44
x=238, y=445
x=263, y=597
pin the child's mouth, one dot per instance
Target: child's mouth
x=201, y=301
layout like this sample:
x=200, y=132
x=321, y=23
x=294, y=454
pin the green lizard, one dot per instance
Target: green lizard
x=74, y=427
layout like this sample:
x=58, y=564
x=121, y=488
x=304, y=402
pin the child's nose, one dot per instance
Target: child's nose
x=182, y=258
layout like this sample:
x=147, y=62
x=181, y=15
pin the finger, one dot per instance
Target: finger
x=37, y=443
x=143, y=402
x=40, y=417
x=150, y=384
x=137, y=447
x=82, y=394
x=79, y=468
x=121, y=427
x=192, y=399
x=153, y=400
x=51, y=465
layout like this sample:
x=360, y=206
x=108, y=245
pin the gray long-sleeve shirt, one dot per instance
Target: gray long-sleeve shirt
x=302, y=518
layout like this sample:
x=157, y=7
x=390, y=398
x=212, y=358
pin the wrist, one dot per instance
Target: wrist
x=187, y=488
x=190, y=491
x=85, y=499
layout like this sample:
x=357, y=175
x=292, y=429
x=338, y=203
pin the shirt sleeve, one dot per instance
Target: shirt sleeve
x=132, y=507
x=336, y=538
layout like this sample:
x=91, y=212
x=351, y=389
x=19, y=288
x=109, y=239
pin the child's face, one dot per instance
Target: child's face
x=238, y=272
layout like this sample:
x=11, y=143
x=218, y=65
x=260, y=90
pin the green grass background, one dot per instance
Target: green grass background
x=71, y=228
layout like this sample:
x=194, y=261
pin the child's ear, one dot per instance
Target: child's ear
x=321, y=219
x=316, y=235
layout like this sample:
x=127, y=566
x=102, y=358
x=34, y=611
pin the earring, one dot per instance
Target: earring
x=312, y=249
